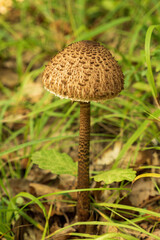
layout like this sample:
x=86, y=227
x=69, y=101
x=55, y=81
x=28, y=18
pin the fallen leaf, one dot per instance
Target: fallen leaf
x=60, y=206
x=109, y=156
x=141, y=190
x=42, y=189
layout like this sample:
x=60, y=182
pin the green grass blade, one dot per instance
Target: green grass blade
x=99, y=223
x=33, y=199
x=34, y=142
x=109, y=236
x=130, y=208
x=47, y=223
x=131, y=140
x=148, y=59
x=102, y=28
x=140, y=130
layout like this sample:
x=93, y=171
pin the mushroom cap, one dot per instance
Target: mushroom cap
x=84, y=71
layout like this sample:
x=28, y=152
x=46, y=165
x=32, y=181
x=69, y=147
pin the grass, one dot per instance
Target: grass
x=30, y=34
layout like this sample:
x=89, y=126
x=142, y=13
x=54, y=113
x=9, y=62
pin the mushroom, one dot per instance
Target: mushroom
x=84, y=71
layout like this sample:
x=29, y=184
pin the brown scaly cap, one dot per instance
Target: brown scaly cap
x=84, y=71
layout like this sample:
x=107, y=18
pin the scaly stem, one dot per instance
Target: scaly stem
x=83, y=164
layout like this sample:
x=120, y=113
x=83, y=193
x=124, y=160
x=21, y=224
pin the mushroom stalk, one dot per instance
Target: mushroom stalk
x=83, y=204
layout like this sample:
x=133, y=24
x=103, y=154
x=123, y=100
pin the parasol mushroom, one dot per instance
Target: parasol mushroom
x=84, y=71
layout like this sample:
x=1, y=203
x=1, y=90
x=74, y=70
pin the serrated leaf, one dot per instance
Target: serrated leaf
x=56, y=162
x=115, y=175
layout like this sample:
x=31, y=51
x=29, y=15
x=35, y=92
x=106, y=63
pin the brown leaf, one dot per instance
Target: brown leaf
x=42, y=189
x=39, y=175
x=60, y=207
x=17, y=186
x=141, y=191
x=109, y=156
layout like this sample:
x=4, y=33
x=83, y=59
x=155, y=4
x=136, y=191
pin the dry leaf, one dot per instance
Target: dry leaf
x=17, y=185
x=60, y=207
x=109, y=156
x=42, y=189
x=141, y=191
x=41, y=176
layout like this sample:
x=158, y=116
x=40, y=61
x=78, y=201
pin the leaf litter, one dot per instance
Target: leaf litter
x=41, y=182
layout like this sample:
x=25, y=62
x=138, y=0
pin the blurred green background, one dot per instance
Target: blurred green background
x=31, y=32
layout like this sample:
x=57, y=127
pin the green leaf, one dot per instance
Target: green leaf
x=115, y=175
x=56, y=162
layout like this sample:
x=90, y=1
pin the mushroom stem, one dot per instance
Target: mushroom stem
x=83, y=204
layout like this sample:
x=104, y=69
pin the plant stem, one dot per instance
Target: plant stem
x=83, y=204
